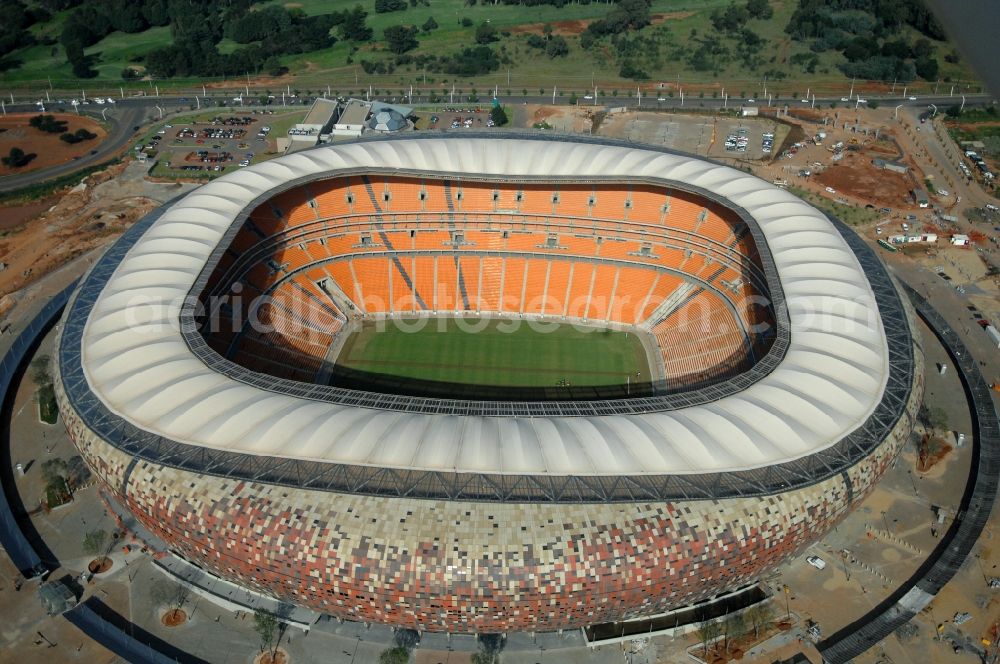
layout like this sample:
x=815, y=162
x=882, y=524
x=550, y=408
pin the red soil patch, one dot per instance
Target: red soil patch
x=48, y=148
x=174, y=617
x=668, y=16
x=13, y=216
x=973, y=127
x=571, y=28
x=100, y=565
x=930, y=452
x=857, y=177
x=280, y=657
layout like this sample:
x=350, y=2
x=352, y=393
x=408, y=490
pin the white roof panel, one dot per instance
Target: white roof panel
x=829, y=382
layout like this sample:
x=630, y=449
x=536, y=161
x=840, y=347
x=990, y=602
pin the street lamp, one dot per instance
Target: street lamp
x=788, y=611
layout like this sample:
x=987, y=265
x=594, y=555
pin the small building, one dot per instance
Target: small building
x=920, y=198
x=317, y=122
x=977, y=146
x=960, y=240
x=749, y=111
x=893, y=166
x=56, y=597
x=359, y=116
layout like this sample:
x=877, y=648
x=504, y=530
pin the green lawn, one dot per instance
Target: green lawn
x=678, y=26
x=489, y=352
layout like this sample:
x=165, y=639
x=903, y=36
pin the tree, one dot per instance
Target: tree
x=273, y=67
x=170, y=594
x=490, y=646
x=17, y=158
x=573, y=99
x=486, y=33
x=385, y=6
x=937, y=418
x=394, y=655
x=953, y=111
x=40, y=370
x=400, y=38
x=736, y=626
x=406, y=638
x=707, y=630
x=759, y=615
x=353, y=27
x=95, y=544
x=557, y=47
x=54, y=469
x=265, y=624
x=429, y=25
x=927, y=68
x=498, y=115
x=759, y=9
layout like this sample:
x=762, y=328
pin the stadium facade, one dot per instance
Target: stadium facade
x=493, y=515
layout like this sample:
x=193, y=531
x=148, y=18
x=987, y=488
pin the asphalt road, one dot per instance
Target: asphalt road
x=130, y=112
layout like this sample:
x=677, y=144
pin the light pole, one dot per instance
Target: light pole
x=895, y=113
x=788, y=610
x=962, y=107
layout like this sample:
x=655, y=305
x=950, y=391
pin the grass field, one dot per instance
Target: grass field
x=677, y=25
x=451, y=351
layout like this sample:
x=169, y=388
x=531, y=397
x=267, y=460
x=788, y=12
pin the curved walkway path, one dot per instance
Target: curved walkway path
x=973, y=513
x=92, y=617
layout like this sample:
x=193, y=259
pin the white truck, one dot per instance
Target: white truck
x=993, y=334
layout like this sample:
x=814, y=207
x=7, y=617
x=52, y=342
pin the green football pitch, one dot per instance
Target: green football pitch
x=501, y=353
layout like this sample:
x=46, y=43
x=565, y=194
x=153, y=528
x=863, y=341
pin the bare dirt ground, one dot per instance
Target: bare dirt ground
x=50, y=150
x=577, y=26
x=577, y=119
x=857, y=177
x=87, y=217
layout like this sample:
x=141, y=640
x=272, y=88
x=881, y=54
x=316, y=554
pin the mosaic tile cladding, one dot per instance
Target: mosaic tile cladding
x=476, y=567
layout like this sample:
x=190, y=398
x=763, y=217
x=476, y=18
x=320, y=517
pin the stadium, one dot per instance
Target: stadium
x=488, y=382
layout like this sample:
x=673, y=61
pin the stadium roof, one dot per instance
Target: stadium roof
x=138, y=363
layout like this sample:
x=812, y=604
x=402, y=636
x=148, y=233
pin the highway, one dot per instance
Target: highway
x=136, y=111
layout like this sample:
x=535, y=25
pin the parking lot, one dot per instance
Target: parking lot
x=210, y=145
x=467, y=117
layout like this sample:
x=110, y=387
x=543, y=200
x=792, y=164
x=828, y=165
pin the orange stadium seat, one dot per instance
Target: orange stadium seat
x=402, y=295
x=508, y=197
x=469, y=273
x=537, y=200
x=534, y=291
x=513, y=282
x=475, y=197
x=647, y=204
x=331, y=198
x=631, y=291
x=610, y=203
x=579, y=292
x=573, y=201
x=555, y=297
x=422, y=275
x=489, y=293
x=373, y=275
x=600, y=303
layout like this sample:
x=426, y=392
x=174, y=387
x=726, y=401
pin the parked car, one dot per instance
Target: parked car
x=816, y=562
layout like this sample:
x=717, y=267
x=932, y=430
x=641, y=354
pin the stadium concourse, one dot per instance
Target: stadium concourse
x=791, y=379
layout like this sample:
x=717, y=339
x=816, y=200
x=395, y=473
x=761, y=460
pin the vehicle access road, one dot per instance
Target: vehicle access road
x=133, y=111
x=119, y=134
